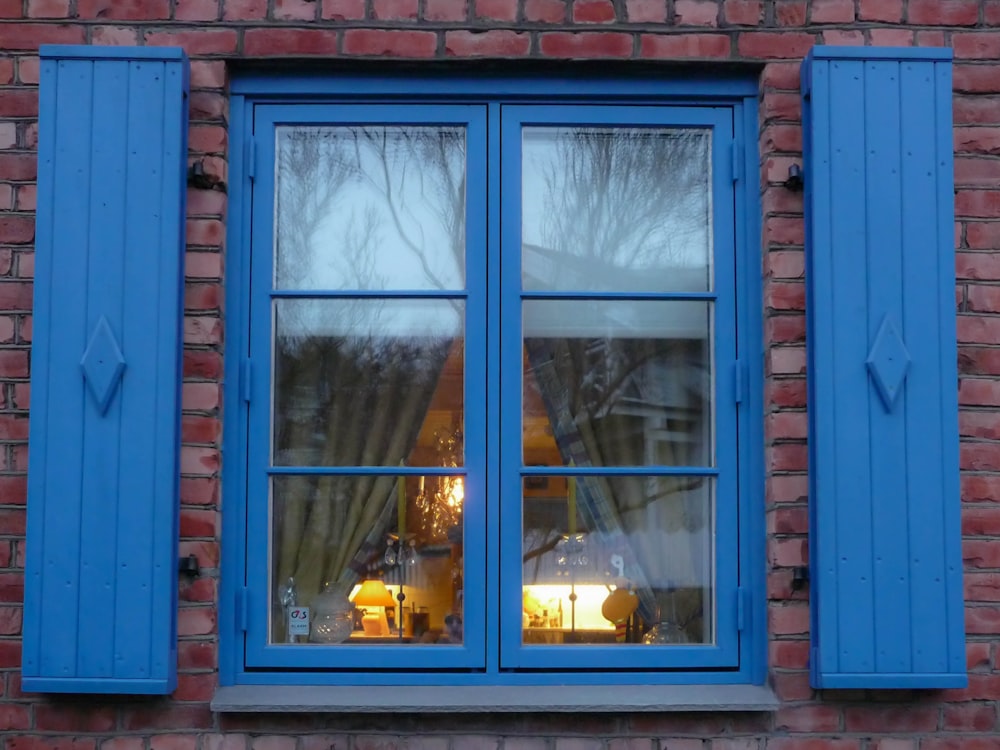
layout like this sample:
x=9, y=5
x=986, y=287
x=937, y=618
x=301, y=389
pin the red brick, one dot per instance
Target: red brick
x=682, y=46
x=585, y=45
x=350, y=10
x=943, y=12
x=406, y=44
x=200, y=396
x=979, y=266
x=982, y=587
x=190, y=687
x=976, y=44
x=268, y=42
x=978, y=203
x=794, y=655
x=143, y=717
x=199, y=42
x=244, y=10
x=202, y=364
x=772, y=45
x=199, y=429
x=14, y=716
x=199, y=491
x=977, y=656
x=11, y=590
x=395, y=10
x=546, y=11
x=14, y=489
x=789, y=295
x=811, y=743
x=447, y=10
x=209, y=232
x=977, y=172
x=980, y=489
x=11, y=9
x=978, y=392
x=48, y=8
x=121, y=36
x=788, y=619
x=979, y=424
x=295, y=10
x=807, y=718
x=788, y=520
x=790, y=12
x=742, y=12
x=18, y=167
x=831, y=11
x=843, y=38
x=14, y=295
x=593, y=11
x=196, y=522
x=889, y=719
x=788, y=488
x=195, y=621
x=982, y=620
x=781, y=138
x=980, y=456
x=976, y=110
x=124, y=10
x=66, y=717
x=976, y=79
x=29, y=36
x=196, y=655
x=891, y=37
x=6, y=72
x=696, y=13
x=208, y=74
x=497, y=10
x=496, y=43
x=787, y=457
x=196, y=10
x=646, y=11
x=975, y=140
x=780, y=230
x=890, y=11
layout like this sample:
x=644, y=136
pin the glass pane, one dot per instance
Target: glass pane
x=371, y=560
x=368, y=382
x=626, y=560
x=617, y=383
x=370, y=207
x=616, y=209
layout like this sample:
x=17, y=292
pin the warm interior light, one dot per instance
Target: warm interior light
x=589, y=598
x=456, y=493
x=374, y=597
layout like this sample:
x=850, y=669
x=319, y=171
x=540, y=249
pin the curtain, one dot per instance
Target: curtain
x=605, y=400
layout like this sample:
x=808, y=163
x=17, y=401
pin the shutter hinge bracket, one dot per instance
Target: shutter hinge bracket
x=251, y=158
x=242, y=608
x=736, y=161
x=742, y=607
x=245, y=381
x=739, y=381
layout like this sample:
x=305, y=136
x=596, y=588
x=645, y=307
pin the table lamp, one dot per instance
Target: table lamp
x=373, y=594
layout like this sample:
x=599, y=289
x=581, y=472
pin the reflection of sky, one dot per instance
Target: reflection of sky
x=653, y=182
x=385, y=223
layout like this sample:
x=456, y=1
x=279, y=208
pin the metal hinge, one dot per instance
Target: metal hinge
x=739, y=381
x=742, y=607
x=242, y=608
x=736, y=161
x=245, y=381
x=251, y=157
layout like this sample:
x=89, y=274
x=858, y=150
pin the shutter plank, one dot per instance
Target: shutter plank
x=101, y=589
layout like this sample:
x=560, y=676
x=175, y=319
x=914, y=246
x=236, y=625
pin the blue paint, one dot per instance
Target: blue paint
x=492, y=109
x=101, y=590
x=884, y=500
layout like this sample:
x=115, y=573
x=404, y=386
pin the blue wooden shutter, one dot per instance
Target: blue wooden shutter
x=101, y=569
x=887, y=606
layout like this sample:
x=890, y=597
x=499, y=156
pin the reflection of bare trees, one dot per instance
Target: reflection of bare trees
x=623, y=199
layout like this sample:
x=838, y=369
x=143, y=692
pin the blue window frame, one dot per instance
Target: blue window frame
x=688, y=314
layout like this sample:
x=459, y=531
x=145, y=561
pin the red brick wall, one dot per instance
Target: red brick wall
x=772, y=34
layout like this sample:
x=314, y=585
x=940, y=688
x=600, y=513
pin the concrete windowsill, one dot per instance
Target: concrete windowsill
x=492, y=699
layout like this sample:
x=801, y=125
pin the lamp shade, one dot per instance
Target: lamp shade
x=373, y=593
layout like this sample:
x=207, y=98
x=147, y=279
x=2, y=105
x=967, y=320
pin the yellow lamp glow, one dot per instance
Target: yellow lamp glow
x=374, y=594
